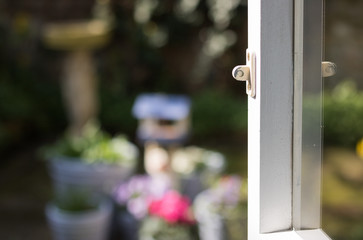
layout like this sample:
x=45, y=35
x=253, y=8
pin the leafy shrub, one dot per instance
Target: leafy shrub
x=94, y=146
x=216, y=112
x=75, y=201
x=343, y=114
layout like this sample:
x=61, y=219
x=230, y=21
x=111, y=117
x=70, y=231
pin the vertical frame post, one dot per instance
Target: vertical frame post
x=270, y=37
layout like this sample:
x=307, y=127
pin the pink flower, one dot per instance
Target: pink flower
x=172, y=207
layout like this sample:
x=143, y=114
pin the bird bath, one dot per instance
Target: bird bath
x=79, y=39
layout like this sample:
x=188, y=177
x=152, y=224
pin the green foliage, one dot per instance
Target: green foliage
x=115, y=150
x=343, y=114
x=30, y=101
x=216, y=112
x=157, y=228
x=28, y=106
x=73, y=146
x=75, y=201
x=94, y=146
x=115, y=112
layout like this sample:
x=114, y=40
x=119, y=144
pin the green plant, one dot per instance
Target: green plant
x=217, y=112
x=343, y=114
x=75, y=201
x=94, y=146
x=157, y=228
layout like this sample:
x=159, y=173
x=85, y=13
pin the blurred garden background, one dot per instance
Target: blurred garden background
x=177, y=47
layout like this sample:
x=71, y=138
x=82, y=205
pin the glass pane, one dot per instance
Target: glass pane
x=307, y=114
x=343, y=123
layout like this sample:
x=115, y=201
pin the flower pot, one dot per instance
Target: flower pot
x=214, y=224
x=211, y=227
x=84, y=225
x=99, y=178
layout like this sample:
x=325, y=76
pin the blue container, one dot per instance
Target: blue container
x=164, y=118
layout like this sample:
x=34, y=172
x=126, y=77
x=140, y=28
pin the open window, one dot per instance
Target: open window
x=285, y=38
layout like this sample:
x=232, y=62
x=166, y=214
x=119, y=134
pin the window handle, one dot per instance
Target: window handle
x=328, y=69
x=247, y=73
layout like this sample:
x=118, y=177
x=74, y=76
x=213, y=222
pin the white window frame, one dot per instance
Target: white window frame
x=277, y=193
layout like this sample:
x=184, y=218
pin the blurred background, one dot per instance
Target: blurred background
x=177, y=47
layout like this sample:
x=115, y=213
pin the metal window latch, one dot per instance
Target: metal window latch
x=247, y=73
x=328, y=69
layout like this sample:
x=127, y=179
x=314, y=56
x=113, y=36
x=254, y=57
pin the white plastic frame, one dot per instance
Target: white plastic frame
x=275, y=208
